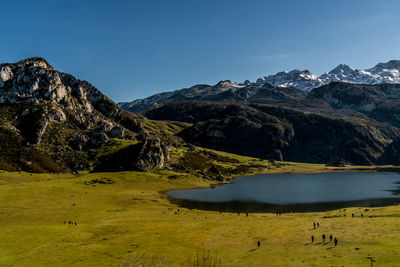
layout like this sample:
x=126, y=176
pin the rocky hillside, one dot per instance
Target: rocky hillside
x=51, y=121
x=274, y=131
x=224, y=91
x=339, y=122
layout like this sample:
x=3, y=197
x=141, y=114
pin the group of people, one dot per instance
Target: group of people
x=335, y=241
x=316, y=225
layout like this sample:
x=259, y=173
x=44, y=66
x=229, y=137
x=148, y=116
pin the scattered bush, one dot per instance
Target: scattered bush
x=204, y=258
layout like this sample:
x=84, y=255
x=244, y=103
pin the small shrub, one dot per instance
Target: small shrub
x=204, y=258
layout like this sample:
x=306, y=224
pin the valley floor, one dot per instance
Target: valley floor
x=131, y=217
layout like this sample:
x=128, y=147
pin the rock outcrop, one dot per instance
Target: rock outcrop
x=63, y=119
x=149, y=154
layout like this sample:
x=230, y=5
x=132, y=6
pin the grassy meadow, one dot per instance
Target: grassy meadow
x=132, y=217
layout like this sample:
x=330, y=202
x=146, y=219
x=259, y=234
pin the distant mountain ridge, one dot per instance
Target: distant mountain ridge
x=382, y=73
x=303, y=79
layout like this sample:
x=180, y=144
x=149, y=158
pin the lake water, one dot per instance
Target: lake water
x=295, y=192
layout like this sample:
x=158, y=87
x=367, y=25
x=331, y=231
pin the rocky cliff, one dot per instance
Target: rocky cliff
x=51, y=121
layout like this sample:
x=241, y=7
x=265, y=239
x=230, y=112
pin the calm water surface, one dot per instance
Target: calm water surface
x=295, y=192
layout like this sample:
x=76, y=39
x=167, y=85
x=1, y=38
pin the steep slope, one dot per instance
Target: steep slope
x=274, y=131
x=51, y=121
x=380, y=102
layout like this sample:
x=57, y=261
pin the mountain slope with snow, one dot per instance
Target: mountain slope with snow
x=303, y=79
x=296, y=79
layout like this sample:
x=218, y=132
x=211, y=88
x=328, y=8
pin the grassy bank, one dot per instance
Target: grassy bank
x=127, y=215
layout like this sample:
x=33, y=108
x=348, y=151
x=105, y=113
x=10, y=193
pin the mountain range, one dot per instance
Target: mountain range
x=51, y=121
x=346, y=116
x=301, y=79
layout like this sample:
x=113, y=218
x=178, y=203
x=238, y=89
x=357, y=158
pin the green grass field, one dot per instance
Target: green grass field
x=131, y=217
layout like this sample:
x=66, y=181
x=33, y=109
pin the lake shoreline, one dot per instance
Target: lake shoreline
x=298, y=171
x=268, y=207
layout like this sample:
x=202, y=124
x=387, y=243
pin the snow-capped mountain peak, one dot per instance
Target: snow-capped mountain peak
x=388, y=72
x=342, y=69
x=302, y=79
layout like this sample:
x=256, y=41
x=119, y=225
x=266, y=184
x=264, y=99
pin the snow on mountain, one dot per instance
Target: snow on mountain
x=303, y=79
x=197, y=91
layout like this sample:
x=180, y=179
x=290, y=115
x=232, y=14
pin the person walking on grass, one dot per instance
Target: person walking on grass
x=314, y=225
x=312, y=239
x=323, y=237
x=335, y=241
x=330, y=238
x=258, y=243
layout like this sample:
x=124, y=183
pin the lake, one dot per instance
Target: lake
x=295, y=192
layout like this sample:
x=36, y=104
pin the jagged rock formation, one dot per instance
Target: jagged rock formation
x=57, y=116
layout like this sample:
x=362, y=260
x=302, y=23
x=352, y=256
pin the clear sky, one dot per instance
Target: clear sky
x=133, y=49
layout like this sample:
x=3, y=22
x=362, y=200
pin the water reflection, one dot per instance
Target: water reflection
x=295, y=192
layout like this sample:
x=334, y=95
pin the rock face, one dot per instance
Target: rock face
x=149, y=154
x=62, y=119
x=34, y=80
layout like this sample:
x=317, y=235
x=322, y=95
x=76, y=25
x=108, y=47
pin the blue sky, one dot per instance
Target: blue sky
x=133, y=49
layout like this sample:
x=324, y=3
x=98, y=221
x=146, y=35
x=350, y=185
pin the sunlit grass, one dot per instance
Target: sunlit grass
x=132, y=216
